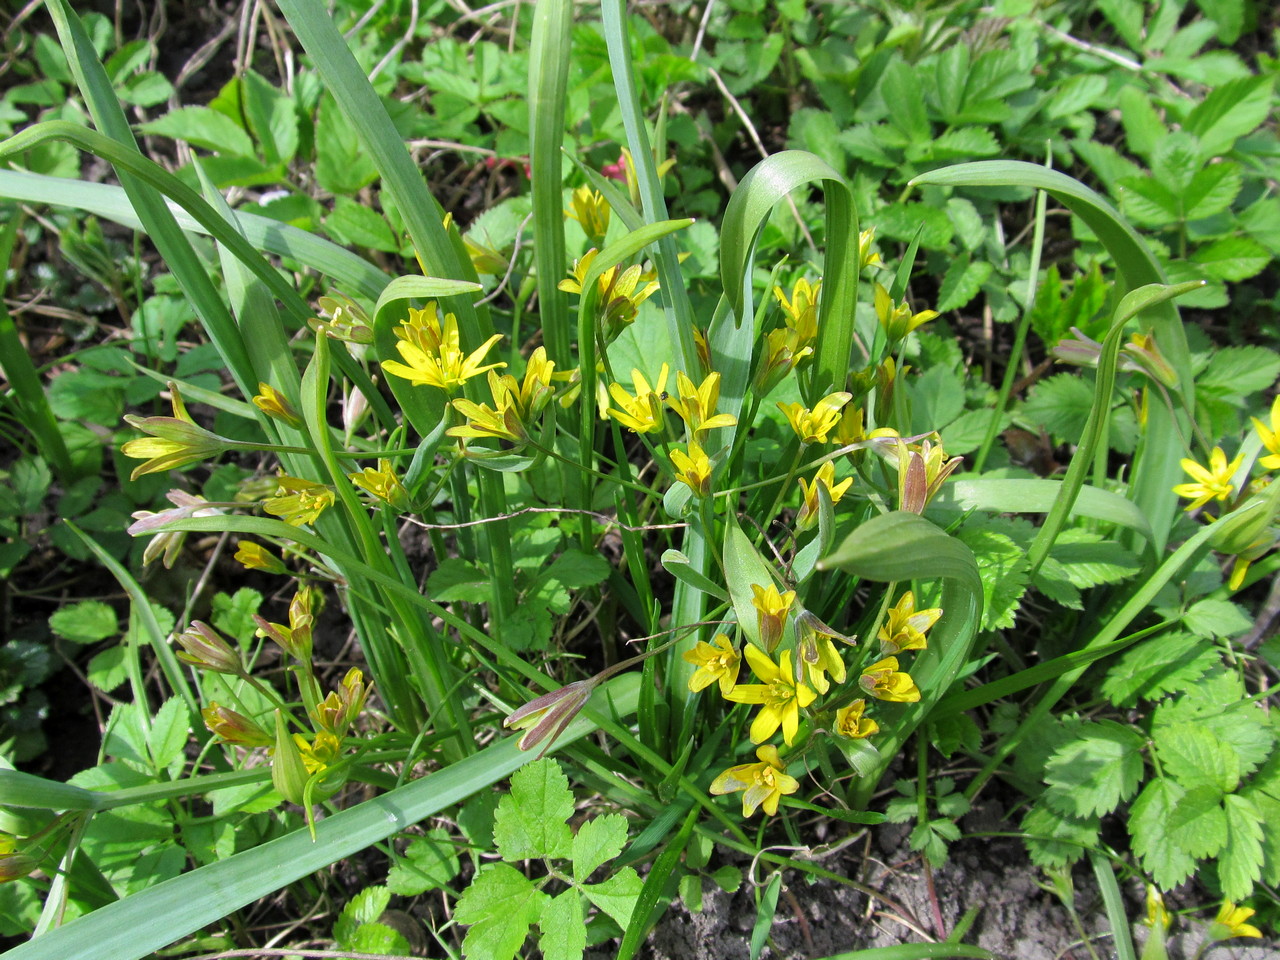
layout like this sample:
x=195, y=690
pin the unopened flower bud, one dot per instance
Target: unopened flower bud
x=202, y=647
x=545, y=717
x=288, y=772
x=15, y=866
x=234, y=727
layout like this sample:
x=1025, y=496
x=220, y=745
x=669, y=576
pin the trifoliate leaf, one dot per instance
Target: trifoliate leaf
x=532, y=820
x=1149, y=827
x=429, y=863
x=564, y=934
x=500, y=905
x=1197, y=823
x=1056, y=839
x=597, y=841
x=1092, y=774
x=1240, y=865
x=1164, y=664
x=617, y=895
x=85, y=622
x=1194, y=756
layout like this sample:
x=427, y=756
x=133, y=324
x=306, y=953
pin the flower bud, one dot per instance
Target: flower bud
x=15, y=866
x=234, y=727
x=545, y=717
x=288, y=772
x=202, y=647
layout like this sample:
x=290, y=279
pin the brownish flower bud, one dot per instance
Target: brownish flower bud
x=202, y=647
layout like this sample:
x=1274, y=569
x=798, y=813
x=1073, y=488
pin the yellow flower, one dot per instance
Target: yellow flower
x=921, y=473
x=298, y=501
x=819, y=656
x=503, y=423
x=173, y=442
x=433, y=353
x=1230, y=922
x=800, y=313
x=780, y=696
x=906, y=626
x=295, y=639
x=697, y=405
x=619, y=301
x=866, y=257
x=765, y=782
x=256, y=557
x=771, y=613
x=1270, y=437
x=271, y=402
x=784, y=351
x=852, y=724
x=716, y=662
x=1211, y=484
x=884, y=682
x=807, y=518
x=340, y=708
x=234, y=727
x=897, y=319
x=342, y=319
x=693, y=469
x=383, y=484
x=321, y=753
x=1157, y=915
x=812, y=426
x=591, y=209
x=643, y=412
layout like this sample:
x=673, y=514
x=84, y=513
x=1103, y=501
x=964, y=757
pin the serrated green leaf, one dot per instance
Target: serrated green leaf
x=1075, y=95
x=963, y=280
x=964, y=143
x=457, y=579
x=107, y=670
x=596, y=842
x=1195, y=757
x=378, y=938
x=564, y=932
x=85, y=622
x=1212, y=190
x=500, y=905
x=233, y=615
x=1002, y=565
x=1240, y=371
x=1217, y=618
x=1165, y=664
x=1088, y=560
x=1268, y=808
x=170, y=729
x=532, y=820
x=429, y=863
x=1061, y=404
x=574, y=569
x=1056, y=839
x=203, y=127
x=1240, y=865
x=1229, y=112
x=617, y=895
x=1149, y=828
x=1093, y=773
x=365, y=907
x=1197, y=823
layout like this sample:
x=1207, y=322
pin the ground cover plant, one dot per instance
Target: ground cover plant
x=689, y=393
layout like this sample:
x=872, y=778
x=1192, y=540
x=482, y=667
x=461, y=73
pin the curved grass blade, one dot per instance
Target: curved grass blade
x=764, y=186
x=348, y=270
x=145, y=922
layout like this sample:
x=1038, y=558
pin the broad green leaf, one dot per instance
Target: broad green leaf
x=1229, y=112
x=500, y=905
x=1240, y=371
x=343, y=166
x=202, y=127
x=365, y=907
x=457, y=579
x=532, y=820
x=1166, y=664
x=1232, y=259
x=233, y=615
x=1197, y=823
x=85, y=622
x=356, y=225
x=962, y=282
x=563, y=927
x=1240, y=865
x=1088, y=560
x=678, y=565
x=597, y=841
x=1168, y=864
x=617, y=895
x=1143, y=128
x=744, y=567
x=429, y=862
x=1075, y=95
x=1217, y=618
x=1195, y=757
x=1093, y=773
x=1211, y=190
x=1057, y=839
x=1003, y=567
x=170, y=730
